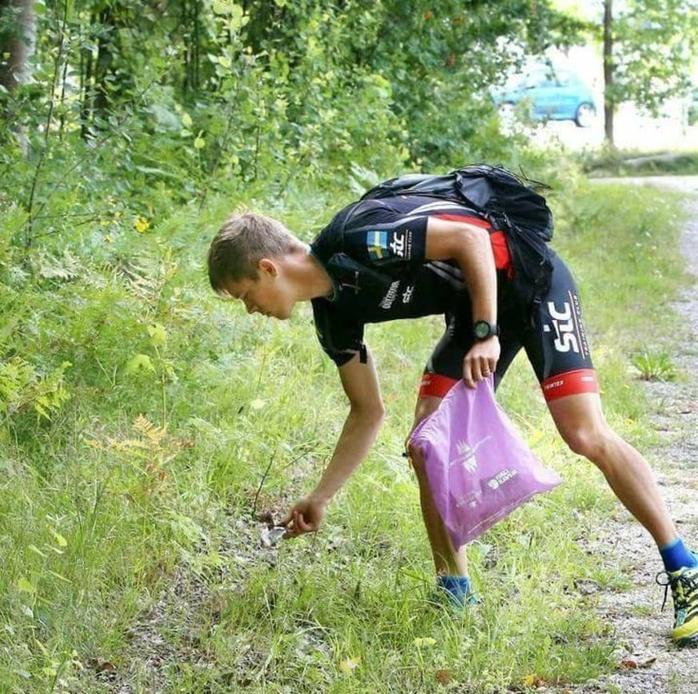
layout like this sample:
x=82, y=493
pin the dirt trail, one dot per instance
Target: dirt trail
x=651, y=662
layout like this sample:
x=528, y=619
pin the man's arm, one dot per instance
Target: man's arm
x=360, y=383
x=470, y=247
x=360, y=430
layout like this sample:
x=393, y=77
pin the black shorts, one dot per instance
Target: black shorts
x=554, y=339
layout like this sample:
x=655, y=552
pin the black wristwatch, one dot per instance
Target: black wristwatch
x=482, y=330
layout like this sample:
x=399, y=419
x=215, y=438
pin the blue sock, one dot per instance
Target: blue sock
x=458, y=587
x=675, y=556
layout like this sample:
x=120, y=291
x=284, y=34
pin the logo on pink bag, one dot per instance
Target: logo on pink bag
x=466, y=454
x=471, y=500
x=501, y=478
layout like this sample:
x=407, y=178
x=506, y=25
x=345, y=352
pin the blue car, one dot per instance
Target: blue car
x=552, y=95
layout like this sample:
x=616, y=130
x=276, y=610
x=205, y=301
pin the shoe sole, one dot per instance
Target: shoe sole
x=689, y=642
x=687, y=634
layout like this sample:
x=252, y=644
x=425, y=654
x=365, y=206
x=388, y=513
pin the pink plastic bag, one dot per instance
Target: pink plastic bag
x=479, y=469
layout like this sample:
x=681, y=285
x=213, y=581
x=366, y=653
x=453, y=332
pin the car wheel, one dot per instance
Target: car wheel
x=585, y=115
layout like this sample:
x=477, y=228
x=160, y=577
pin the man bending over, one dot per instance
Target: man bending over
x=450, y=262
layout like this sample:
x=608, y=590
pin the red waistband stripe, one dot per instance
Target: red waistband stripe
x=570, y=383
x=435, y=385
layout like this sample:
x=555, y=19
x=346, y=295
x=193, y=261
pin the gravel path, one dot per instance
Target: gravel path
x=647, y=660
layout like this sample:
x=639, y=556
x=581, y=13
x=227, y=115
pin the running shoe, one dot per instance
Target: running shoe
x=453, y=594
x=684, y=590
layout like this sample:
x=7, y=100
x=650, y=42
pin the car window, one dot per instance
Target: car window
x=546, y=78
x=540, y=78
x=564, y=79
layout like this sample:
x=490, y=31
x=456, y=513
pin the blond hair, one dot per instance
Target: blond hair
x=243, y=240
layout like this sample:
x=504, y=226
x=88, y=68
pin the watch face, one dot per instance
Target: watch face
x=482, y=329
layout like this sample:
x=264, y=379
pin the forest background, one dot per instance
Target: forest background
x=148, y=429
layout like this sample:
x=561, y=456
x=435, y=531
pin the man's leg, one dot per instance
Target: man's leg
x=444, y=369
x=447, y=560
x=558, y=350
x=580, y=421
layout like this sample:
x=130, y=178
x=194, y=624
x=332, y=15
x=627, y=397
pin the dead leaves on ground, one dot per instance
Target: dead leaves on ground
x=634, y=662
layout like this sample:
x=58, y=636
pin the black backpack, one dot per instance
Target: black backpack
x=509, y=203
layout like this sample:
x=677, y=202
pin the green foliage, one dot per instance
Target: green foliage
x=656, y=44
x=447, y=57
x=22, y=387
x=129, y=118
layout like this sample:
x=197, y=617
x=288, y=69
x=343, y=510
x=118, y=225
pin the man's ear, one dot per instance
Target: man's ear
x=268, y=265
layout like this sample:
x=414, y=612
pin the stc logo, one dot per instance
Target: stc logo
x=397, y=245
x=563, y=323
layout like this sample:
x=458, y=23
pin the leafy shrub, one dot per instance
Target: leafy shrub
x=23, y=387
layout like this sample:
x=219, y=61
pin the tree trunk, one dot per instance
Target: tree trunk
x=191, y=19
x=86, y=93
x=103, y=63
x=17, y=41
x=609, y=105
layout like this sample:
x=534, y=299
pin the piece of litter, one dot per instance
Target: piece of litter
x=272, y=536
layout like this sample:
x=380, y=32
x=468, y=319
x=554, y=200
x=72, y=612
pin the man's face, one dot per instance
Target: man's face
x=269, y=294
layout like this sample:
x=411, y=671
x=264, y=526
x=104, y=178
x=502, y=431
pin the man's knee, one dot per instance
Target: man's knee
x=591, y=441
x=425, y=407
x=416, y=460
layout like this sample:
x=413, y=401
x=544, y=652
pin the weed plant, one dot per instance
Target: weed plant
x=147, y=426
x=654, y=366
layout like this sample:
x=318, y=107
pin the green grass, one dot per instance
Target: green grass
x=130, y=547
x=613, y=162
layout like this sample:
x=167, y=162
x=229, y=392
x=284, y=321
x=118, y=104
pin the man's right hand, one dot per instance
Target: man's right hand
x=306, y=516
x=481, y=361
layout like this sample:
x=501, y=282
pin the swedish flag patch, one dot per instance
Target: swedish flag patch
x=377, y=244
